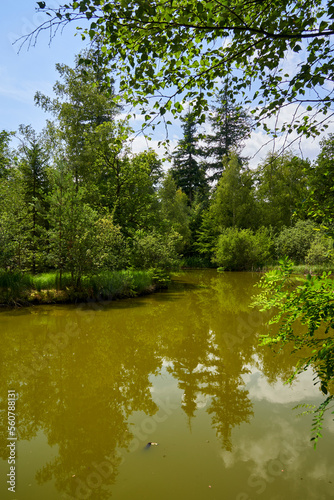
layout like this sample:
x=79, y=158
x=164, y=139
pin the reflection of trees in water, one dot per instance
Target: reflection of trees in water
x=82, y=394
x=230, y=405
x=209, y=357
x=218, y=379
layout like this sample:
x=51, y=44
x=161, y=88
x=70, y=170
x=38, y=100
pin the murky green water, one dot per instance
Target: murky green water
x=182, y=368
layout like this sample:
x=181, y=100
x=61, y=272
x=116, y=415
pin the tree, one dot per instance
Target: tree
x=282, y=187
x=242, y=249
x=81, y=105
x=72, y=231
x=175, y=210
x=209, y=40
x=15, y=221
x=295, y=242
x=320, y=199
x=123, y=183
x=231, y=126
x=33, y=163
x=187, y=170
x=233, y=203
x=5, y=153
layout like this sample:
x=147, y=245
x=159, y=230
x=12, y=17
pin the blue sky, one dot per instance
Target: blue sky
x=23, y=74
x=33, y=69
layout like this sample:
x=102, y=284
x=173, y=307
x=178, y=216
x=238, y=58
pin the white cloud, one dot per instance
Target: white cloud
x=260, y=143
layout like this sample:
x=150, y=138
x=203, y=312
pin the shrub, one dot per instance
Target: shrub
x=111, y=249
x=321, y=250
x=14, y=286
x=295, y=242
x=155, y=250
x=242, y=249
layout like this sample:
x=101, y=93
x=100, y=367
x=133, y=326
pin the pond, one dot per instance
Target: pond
x=180, y=369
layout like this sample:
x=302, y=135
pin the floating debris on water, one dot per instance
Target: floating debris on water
x=151, y=444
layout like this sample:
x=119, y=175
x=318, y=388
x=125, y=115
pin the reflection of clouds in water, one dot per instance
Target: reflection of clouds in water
x=201, y=401
x=322, y=470
x=280, y=443
x=302, y=388
x=283, y=452
x=166, y=363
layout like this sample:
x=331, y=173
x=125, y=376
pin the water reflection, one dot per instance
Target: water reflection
x=82, y=372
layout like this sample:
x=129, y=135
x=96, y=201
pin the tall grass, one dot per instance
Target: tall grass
x=50, y=281
x=14, y=286
x=20, y=288
x=317, y=269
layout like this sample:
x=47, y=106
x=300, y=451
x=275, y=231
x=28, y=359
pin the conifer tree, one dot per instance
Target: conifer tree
x=33, y=169
x=188, y=169
x=230, y=127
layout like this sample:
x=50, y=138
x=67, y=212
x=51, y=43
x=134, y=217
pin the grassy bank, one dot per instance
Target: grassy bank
x=24, y=288
x=315, y=269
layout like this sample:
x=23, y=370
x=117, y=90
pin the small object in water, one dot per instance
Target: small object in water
x=151, y=444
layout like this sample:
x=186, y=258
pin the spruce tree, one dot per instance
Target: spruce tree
x=230, y=127
x=33, y=162
x=188, y=170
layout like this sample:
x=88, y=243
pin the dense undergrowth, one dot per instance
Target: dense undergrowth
x=24, y=288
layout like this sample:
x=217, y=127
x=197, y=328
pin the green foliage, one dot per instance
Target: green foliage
x=207, y=234
x=281, y=188
x=14, y=224
x=242, y=249
x=321, y=250
x=188, y=170
x=233, y=203
x=72, y=224
x=295, y=242
x=14, y=286
x=6, y=155
x=174, y=210
x=183, y=50
x=18, y=288
x=320, y=200
x=196, y=261
x=80, y=106
x=111, y=249
x=160, y=277
x=154, y=250
x=308, y=303
x=32, y=166
x=231, y=126
x=50, y=281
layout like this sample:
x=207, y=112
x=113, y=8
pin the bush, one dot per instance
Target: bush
x=242, y=249
x=14, y=286
x=111, y=249
x=295, y=242
x=155, y=250
x=321, y=250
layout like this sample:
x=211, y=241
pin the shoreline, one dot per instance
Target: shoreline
x=109, y=286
